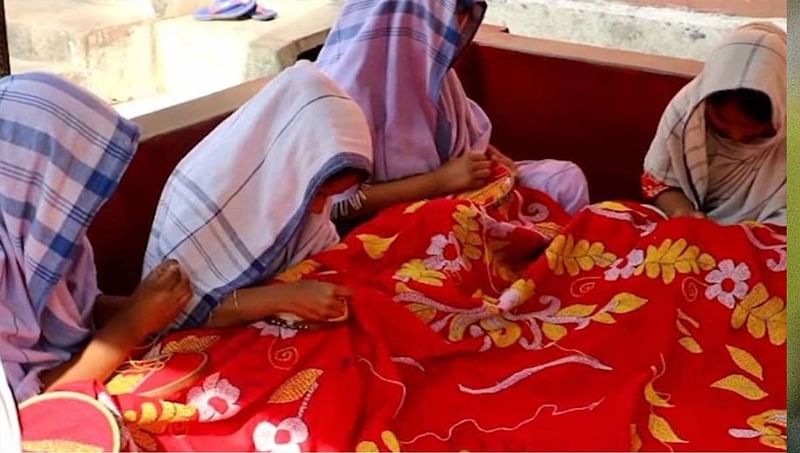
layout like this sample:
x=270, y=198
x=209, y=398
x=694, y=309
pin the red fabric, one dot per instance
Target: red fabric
x=652, y=187
x=624, y=332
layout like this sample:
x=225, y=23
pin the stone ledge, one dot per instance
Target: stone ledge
x=671, y=32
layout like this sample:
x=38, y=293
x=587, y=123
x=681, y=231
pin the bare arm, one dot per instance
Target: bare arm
x=309, y=299
x=105, y=352
x=156, y=302
x=107, y=307
x=675, y=204
x=470, y=171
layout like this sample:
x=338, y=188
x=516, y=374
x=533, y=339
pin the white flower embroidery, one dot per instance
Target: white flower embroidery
x=499, y=229
x=634, y=259
x=728, y=282
x=537, y=213
x=215, y=400
x=284, y=438
x=445, y=254
x=273, y=330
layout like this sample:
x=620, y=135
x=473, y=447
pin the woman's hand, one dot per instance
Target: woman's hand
x=687, y=213
x=159, y=299
x=496, y=156
x=308, y=299
x=312, y=300
x=468, y=172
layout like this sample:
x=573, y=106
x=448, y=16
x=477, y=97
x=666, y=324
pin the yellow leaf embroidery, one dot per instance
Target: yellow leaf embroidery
x=768, y=426
x=124, y=383
x=466, y=232
x=604, y=318
x=577, y=310
x=691, y=345
x=387, y=437
x=741, y=385
x=626, y=303
x=613, y=206
x=424, y=312
x=662, y=431
x=60, y=446
x=367, y=447
x=564, y=254
x=636, y=441
x=415, y=270
x=390, y=440
x=375, y=246
x=776, y=327
x=773, y=441
x=746, y=361
x=401, y=288
x=503, y=333
x=554, y=332
x=683, y=316
x=653, y=397
x=756, y=326
x=682, y=329
x=296, y=387
x=191, y=343
x=762, y=315
x=298, y=271
x=672, y=258
x=337, y=247
x=147, y=413
x=459, y=325
x=414, y=207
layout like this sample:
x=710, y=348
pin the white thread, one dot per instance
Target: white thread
x=418, y=298
x=409, y=361
x=390, y=381
x=355, y=203
x=528, y=372
x=555, y=412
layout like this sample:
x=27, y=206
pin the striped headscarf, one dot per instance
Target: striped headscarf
x=235, y=210
x=749, y=182
x=62, y=154
x=395, y=58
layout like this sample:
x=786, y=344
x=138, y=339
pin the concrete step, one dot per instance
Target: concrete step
x=640, y=27
x=208, y=56
x=71, y=73
x=111, y=42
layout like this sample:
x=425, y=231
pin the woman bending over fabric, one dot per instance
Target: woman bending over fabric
x=395, y=59
x=255, y=196
x=720, y=150
x=62, y=154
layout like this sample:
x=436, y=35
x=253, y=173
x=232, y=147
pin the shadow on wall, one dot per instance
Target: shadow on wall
x=310, y=54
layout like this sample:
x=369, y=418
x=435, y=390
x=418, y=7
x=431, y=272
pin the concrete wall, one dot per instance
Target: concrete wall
x=677, y=28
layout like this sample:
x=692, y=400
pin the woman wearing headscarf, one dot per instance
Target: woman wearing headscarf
x=62, y=154
x=720, y=149
x=395, y=58
x=254, y=198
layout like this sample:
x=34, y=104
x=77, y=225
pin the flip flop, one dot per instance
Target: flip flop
x=263, y=14
x=226, y=10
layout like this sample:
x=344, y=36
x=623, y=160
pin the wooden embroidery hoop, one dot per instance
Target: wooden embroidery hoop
x=56, y=395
